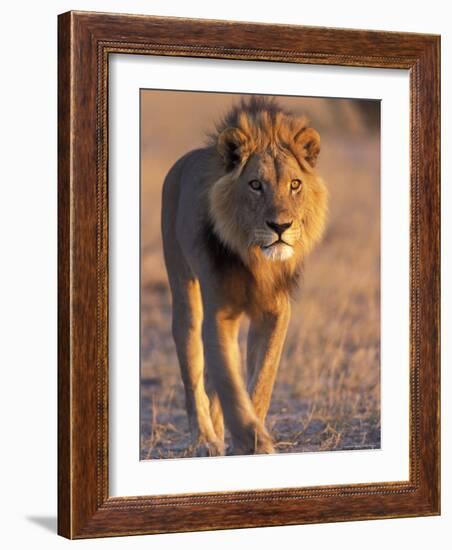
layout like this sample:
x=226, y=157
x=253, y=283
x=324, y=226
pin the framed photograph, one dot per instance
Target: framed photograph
x=248, y=275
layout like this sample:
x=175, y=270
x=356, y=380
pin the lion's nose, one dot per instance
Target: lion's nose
x=279, y=228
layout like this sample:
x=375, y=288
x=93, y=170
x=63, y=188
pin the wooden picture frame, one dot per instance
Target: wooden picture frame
x=85, y=42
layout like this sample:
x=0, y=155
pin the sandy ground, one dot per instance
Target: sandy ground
x=327, y=394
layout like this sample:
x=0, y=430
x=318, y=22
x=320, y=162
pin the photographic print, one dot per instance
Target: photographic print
x=260, y=274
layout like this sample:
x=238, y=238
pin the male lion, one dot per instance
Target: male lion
x=238, y=217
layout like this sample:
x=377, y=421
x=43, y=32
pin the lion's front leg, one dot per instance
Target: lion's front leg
x=266, y=338
x=220, y=335
x=187, y=333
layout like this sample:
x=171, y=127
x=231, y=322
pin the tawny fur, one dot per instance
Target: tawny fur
x=238, y=218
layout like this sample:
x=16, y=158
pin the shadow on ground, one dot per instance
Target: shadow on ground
x=49, y=523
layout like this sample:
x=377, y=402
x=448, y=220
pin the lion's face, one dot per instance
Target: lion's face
x=270, y=203
x=270, y=192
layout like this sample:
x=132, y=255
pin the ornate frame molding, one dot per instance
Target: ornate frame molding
x=85, y=42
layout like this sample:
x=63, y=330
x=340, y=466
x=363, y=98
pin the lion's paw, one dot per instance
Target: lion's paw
x=205, y=448
x=264, y=446
x=256, y=442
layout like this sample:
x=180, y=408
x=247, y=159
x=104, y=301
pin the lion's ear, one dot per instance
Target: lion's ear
x=308, y=142
x=231, y=146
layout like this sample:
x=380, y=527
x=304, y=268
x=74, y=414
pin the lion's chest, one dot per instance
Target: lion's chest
x=252, y=288
x=252, y=293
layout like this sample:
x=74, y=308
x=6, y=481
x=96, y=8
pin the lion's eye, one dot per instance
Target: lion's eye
x=255, y=185
x=295, y=185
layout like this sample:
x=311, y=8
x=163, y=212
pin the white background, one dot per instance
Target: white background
x=28, y=271
x=128, y=475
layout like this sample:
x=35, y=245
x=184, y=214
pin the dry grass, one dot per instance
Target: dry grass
x=327, y=394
